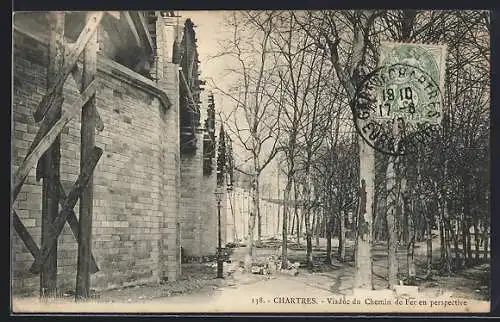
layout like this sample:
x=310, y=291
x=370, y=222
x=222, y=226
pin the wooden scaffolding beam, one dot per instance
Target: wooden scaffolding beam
x=49, y=164
x=88, y=124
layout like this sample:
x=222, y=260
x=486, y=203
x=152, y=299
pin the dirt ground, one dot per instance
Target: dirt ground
x=471, y=283
x=198, y=282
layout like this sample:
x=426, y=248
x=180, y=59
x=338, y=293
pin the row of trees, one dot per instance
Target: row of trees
x=293, y=80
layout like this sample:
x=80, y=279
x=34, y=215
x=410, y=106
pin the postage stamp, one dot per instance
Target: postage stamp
x=428, y=57
x=399, y=105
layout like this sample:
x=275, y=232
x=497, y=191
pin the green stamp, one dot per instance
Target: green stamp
x=400, y=103
x=413, y=92
x=427, y=57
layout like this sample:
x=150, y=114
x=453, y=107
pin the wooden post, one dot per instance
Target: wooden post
x=50, y=162
x=86, y=196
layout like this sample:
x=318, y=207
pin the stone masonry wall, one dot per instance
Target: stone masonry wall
x=168, y=80
x=136, y=206
x=170, y=260
x=191, y=199
x=199, y=223
x=209, y=233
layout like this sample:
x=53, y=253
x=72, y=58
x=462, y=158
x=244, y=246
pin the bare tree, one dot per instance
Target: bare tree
x=343, y=35
x=305, y=108
x=254, y=118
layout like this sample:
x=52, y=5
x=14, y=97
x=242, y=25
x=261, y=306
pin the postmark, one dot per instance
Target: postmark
x=399, y=105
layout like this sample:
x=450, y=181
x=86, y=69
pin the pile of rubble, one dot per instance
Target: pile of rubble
x=273, y=265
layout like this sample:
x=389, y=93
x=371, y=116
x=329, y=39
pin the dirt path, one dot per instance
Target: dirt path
x=199, y=290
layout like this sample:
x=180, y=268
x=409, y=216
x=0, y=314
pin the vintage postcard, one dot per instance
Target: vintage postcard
x=251, y=161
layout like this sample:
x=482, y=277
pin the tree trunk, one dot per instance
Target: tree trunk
x=410, y=255
x=254, y=192
x=477, y=235
x=363, y=257
x=449, y=237
x=380, y=222
x=469, y=240
x=317, y=227
x=410, y=258
x=392, y=242
x=486, y=241
x=441, y=238
x=233, y=215
x=313, y=219
x=309, y=226
x=296, y=213
x=467, y=220
x=463, y=225
x=342, y=236
x=297, y=223
x=428, y=273
x=454, y=232
x=443, y=231
x=328, y=236
x=309, y=252
x=279, y=225
x=259, y=227
x=284, y=245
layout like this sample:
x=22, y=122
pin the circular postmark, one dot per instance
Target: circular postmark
x=398, y=107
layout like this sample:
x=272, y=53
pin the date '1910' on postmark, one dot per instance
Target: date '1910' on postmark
x=399, y=106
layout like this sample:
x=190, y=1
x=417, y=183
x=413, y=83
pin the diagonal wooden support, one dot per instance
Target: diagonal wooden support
x=30, y=242
x=67, y=208
x=45, y=141
x=24, y=234
x=73, y=224
x=71, y=59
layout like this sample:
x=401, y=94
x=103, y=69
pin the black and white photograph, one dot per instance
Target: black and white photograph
x=250, y=161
